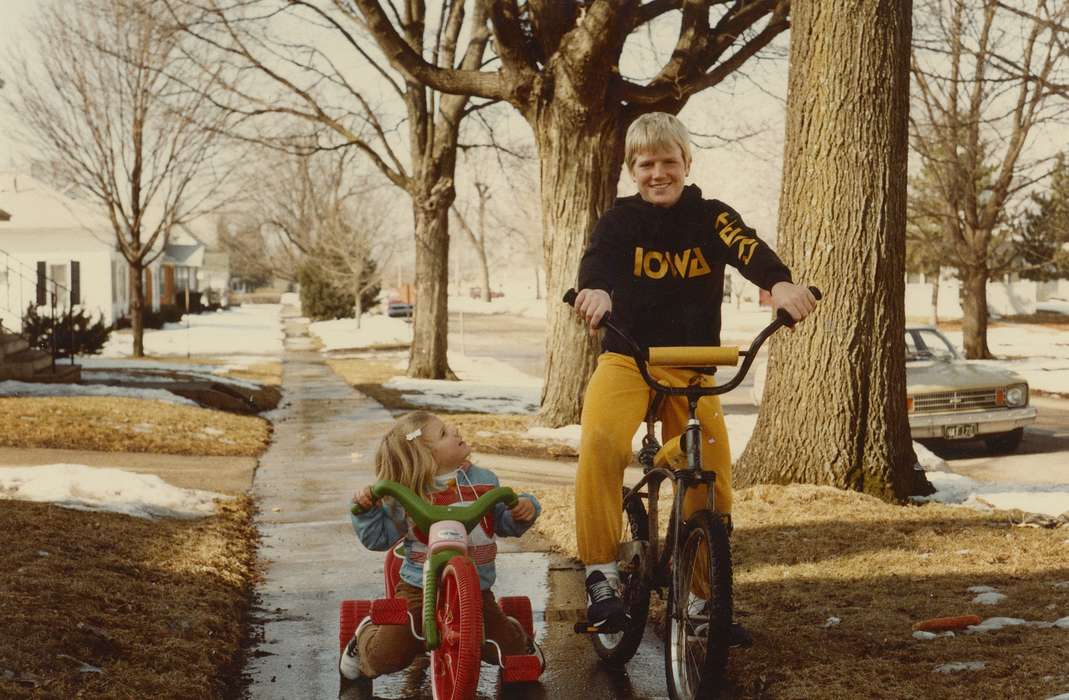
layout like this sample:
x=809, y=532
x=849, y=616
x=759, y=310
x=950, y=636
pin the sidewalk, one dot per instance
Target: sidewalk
x=312, y=559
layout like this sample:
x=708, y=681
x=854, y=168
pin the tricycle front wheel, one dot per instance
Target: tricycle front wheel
x=459, y=612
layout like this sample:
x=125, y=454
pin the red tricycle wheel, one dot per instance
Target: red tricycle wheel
x=455, y=663
x=349, y=618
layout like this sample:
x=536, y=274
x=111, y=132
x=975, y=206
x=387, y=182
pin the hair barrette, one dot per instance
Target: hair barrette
x=414, y=434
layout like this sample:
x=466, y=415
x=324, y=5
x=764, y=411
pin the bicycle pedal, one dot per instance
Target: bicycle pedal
x=522, y=668
x=584, y=627
x=389, y=611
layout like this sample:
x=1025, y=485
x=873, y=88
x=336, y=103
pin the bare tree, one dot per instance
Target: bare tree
x=301, y=80
x=477, y=238
x=842, y=227
x=983, y=74
x=111, y=101
x=560, y=67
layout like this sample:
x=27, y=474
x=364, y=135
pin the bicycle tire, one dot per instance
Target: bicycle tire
x=619, y=648
x=459, y=613
x=695, y=656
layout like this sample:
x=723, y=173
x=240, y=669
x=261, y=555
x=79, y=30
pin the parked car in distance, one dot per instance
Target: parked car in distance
x=399, y=309
x=950, y=398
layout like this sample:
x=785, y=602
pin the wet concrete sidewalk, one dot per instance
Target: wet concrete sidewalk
x=312, y=559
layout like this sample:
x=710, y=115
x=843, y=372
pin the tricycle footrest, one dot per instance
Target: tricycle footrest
x=389, y=611
x=522, y=668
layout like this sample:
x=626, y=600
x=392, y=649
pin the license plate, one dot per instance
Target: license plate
x=959, y=432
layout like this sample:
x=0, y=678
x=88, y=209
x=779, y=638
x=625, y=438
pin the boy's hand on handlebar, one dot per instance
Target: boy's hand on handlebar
x=798, y=301
x=592, y=305
x=364, y=498
x=523, y=511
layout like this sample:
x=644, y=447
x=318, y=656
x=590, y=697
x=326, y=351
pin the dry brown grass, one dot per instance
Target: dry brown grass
x=119, y=424
x=804, y=554
x=157, y=606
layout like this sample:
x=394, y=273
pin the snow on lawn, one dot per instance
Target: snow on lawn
x=221, y=366
x=487, y=385
x=374, y=331
x=1045, y=499
x=236, y=330
x=13, y=388
x=89, y=488
x=517, y=306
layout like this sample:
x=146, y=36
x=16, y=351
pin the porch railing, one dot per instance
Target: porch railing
x=17, y=274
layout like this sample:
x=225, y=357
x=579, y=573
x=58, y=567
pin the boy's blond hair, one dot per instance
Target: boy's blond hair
x=653, y=132
x=408, y=462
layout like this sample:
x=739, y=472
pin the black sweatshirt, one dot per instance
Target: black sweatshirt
x=664, y=267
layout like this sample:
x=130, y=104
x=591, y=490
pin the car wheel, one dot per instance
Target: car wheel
x=1004, y=443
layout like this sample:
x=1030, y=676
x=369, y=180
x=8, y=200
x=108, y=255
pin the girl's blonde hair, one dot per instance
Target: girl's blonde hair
x=653, y=132
x=408, y=462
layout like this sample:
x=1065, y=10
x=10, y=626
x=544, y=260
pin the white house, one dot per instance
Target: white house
x=52, y=243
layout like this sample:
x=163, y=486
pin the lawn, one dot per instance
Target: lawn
x=117, y=424
x=111, y=606
x=807, y=555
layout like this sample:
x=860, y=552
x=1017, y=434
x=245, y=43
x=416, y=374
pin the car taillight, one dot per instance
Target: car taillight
x=909, y=404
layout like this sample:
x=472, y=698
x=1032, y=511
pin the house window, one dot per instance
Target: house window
x=59, y=283
x=119, y=282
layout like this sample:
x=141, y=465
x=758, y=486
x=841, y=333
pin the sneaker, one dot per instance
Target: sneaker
x=605, y=607
x=738, y=636
x=349, y=663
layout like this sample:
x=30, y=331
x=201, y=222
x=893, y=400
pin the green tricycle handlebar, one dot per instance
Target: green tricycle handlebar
x=425, y=514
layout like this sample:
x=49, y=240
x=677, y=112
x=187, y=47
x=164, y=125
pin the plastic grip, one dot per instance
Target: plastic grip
x=685, y=356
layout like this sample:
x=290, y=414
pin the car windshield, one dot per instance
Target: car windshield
x=928, y=344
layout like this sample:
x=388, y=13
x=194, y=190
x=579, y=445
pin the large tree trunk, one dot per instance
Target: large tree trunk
x=580, y=156
x=842, y=227
x=430, y=324
x=974, y=309
x=137, y=308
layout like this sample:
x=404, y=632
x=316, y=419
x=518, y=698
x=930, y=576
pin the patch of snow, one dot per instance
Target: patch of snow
x=926, y=636
x=81, y=487
x=831, y=622
x=993, y=624
x=1054, y=306
x=374, y=331
x=956, y=666
x=981, y=589
x=154, y=376
x=1045, y=499
x=989, y=598
x=14, y=388
x=229, y=331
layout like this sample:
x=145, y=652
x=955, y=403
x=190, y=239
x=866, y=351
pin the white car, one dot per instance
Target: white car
x=951, y=398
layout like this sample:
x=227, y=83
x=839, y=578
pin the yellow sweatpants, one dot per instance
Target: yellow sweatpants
x=614, y=406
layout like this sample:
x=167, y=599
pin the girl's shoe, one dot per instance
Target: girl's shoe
x=349, y=663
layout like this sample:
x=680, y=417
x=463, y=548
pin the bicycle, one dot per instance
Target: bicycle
x=697, y=640
x=452, y=600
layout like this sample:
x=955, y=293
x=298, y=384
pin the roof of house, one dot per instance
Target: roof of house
x=31, y=204
x=188, y=255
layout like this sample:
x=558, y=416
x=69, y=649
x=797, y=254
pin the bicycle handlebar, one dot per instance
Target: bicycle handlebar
x=696, y=356
x=426, y=514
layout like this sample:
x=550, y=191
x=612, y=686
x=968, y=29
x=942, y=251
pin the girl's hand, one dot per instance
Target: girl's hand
x=364, y=498
x=523, y=511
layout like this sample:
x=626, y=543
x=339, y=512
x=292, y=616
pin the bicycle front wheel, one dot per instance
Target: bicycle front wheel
x=459, y=612
x=699, y=609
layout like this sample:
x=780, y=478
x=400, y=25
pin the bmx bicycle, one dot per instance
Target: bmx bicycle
x=452, y=613
x=695, y=553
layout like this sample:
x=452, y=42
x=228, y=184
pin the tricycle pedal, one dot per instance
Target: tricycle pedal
x=522, y=668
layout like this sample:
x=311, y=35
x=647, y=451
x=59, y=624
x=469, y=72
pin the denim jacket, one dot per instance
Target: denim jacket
x=383, y=525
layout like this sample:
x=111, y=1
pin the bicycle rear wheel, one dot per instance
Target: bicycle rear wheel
x=696, y=650
x=618, y=648
x=459, y=612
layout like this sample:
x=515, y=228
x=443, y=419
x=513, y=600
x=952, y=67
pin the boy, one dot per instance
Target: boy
x=656, y=261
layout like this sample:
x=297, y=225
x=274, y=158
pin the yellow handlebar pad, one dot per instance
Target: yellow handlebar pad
x=684, y=356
